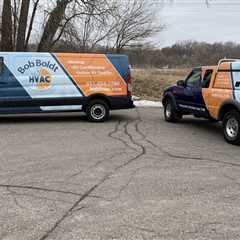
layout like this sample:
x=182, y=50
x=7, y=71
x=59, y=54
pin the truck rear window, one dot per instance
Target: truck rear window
x=207, y=78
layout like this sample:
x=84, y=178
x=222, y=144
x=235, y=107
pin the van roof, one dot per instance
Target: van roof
x=66, y=54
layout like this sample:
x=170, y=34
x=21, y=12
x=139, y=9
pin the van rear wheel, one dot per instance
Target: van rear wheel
x=97, y=111
x=231, y=127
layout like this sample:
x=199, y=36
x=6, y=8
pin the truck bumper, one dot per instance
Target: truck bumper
x=121, y=102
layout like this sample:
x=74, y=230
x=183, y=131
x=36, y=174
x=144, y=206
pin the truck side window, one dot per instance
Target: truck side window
x=1, y=65
x=194, y=79
x=207, y=79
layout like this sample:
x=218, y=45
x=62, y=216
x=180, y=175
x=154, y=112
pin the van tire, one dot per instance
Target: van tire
x=97, y=110
x=170, y=112
x=231, y=127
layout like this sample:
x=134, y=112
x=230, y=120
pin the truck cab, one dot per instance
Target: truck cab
x=211, y=92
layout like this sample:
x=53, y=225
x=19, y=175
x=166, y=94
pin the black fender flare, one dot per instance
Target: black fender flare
x=96, y=96
x=227, y=105
x=169, y=95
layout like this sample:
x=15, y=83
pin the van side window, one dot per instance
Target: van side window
x=1, y=65
x=207, y=79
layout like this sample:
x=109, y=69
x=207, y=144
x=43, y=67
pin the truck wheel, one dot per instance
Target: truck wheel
x=170, y=112
x=231, y=127
x=97, y=111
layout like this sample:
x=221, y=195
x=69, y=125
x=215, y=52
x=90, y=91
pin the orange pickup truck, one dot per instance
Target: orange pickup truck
x=211, y=92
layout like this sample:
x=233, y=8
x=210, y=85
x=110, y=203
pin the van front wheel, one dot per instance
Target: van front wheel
x=97, y=111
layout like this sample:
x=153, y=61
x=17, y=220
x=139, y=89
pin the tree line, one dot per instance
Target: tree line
x=183, y=54
x=40, y=25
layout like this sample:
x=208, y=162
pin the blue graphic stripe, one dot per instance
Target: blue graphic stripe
x=10, y=87
x=121, y=64
x=19, y=110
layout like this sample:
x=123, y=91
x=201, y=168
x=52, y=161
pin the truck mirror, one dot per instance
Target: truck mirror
x=181, y=83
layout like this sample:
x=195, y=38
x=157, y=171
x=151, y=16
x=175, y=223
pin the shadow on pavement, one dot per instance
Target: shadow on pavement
x=203, y=125
x=55, y=117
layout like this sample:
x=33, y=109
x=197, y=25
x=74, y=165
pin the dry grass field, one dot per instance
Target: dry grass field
x=149, y=83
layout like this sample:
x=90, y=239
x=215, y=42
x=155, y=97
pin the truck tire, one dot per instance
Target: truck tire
x=231, y=127
x=97, y=111
x=170, y=112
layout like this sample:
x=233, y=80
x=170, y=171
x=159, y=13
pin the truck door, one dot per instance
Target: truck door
x=190, y=97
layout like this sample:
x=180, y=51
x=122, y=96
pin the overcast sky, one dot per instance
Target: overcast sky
x=193, y=20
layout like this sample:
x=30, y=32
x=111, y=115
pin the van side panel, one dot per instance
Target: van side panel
x=41, y=76
x=94, y=74
x=45, y=82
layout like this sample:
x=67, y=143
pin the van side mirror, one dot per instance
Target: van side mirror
x=1, y=65
x=181, y=83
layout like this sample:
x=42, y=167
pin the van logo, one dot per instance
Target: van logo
x=38, y=63
x=41, y=81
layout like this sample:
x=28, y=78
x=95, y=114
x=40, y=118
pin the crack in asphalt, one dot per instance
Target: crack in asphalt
x=125, y=186
x=39, y=189
x=95, y=165
x=103, y=180
x=140, y=148
x=115, y=130
x=140, y=151
x=171, y=155
x=37, y=197
x=72, y=208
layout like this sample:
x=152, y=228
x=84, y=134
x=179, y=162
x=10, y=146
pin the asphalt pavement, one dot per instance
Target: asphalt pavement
x=133, y=177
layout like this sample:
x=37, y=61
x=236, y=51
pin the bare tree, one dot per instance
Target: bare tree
x=52, y=25
x=22, y=26
x=15, y=18
x=35, y=6
x=135, y=21
x=87, y=23
x=92, y=26
x=7, y=39
x=121, y=26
